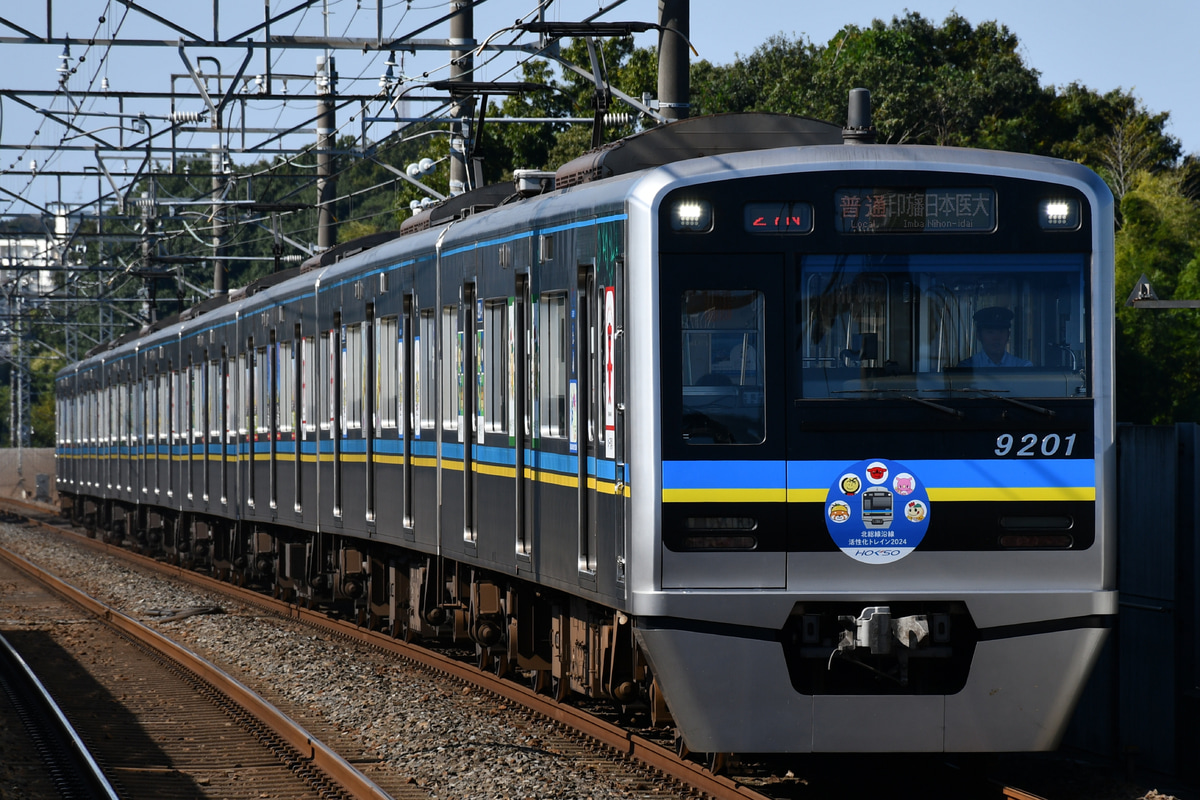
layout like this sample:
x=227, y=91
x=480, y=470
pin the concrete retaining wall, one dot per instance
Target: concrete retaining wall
x=19, y=470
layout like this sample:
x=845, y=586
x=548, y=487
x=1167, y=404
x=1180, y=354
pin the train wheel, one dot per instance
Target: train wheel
x=559, y=689
x=400, y=629
x=483, y=658
x=717, y=763
x=500, y=665
x=539, y=679
x=681, y=748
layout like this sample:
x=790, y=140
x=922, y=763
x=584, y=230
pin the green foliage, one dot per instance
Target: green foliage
x=1158, y=363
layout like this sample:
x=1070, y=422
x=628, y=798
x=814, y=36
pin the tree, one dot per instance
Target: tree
x=952, y=84
x=1158, y=350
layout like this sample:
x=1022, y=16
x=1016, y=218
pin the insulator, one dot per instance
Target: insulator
x=618, y=118
x=185, y=116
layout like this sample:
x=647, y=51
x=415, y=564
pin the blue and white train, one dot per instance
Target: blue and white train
x=694, y=424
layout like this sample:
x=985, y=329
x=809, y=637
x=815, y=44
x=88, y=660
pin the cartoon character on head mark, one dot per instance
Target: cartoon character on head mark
x=914, y=510
x=850, y=484
x=904, y=483
x=877, y=472
x=839, y=511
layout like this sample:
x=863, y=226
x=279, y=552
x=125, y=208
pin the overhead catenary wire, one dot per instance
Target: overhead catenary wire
x=188, y=233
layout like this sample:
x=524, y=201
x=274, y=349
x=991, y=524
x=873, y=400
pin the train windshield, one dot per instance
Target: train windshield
x=927, y=326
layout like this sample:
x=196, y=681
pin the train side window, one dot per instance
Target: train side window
x=237, y=400
x=198, y=400
x=262, y=391
x=127, y=417
x=286, y=387
x=162, y=395
x=496, y=364
x=425, y=360
x=327, y=352
x=451, y=383
x=114, y=393
x=114, y=431
x=552, y=361
x=352, y=377
x=178, y=404
x=308, y=385
x=114, y=403
x=150, y=404
x=214, y=400
x=387, y=361
x=723, y=395
x=101, y=416
x=141, y=409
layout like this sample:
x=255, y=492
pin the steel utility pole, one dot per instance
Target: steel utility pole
x=462, y=38
x=674, y=85
x=326, y=136
x=220, y=285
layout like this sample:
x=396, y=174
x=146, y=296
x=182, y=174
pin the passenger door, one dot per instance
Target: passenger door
x=724, y=406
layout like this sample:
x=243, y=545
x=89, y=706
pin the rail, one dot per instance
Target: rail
x=68, y=759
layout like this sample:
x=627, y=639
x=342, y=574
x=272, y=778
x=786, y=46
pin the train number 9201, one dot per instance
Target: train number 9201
x=1030, y=445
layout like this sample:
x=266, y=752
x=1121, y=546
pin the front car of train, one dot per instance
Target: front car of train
x=882, y=408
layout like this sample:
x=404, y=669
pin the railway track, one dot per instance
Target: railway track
x=160, y=721
x=654, y=768
x=48, y=748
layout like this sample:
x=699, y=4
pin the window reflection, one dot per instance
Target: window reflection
x=723, y=400
x=870, y=325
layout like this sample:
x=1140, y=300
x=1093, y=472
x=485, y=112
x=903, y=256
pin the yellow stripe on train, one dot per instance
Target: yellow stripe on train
x=961, y=495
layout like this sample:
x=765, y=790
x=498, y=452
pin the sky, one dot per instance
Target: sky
x=1149, y=48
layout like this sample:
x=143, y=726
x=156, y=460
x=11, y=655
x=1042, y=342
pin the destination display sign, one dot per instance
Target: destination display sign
x=914, y=210
x=778, y=218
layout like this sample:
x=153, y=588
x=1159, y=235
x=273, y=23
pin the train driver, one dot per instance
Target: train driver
x=992, y=327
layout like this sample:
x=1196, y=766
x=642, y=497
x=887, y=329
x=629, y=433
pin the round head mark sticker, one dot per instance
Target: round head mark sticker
x=850, y=484
x=877, y=511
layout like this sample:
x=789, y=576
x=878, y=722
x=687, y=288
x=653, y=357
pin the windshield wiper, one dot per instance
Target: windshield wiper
x=1049, y=412
x=954, y=412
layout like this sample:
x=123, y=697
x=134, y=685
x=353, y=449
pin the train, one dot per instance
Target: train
x=696, y=423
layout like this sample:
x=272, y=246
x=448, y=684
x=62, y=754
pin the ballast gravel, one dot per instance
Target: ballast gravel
x=452, y=742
